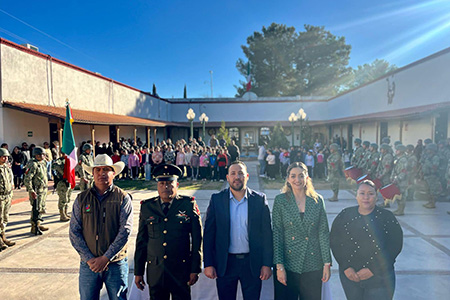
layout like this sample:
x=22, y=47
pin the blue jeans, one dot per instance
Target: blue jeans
x=378, y=287
x=148, y=171
x=115, y=279
x=262, y=166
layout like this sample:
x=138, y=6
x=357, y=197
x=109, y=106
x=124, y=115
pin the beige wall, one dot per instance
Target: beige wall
x=369, y=132
x=416, y=129
x=14, y=132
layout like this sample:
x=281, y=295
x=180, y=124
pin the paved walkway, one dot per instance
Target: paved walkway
x=46, y=267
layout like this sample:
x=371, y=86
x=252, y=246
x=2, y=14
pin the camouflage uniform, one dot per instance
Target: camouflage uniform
x=335, y=165
x=88, y=160
x=384, y=168
x=62, y=188
x=412, y=168
x=400, y=178
x=364, y=162
x=430, y=171
x=6, y=192
x=373, y=161
x=357, y=156
x=444, y=155
x=36, y=180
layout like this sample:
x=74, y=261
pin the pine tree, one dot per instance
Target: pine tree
x=223, y=132
x=278, y=138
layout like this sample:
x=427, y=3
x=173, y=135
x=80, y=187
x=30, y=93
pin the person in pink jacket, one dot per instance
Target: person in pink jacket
x=133, y=164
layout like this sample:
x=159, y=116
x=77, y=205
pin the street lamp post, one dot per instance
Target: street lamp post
x=292, y=119
x=204, y=119
x=301, y=116
x=190, y=116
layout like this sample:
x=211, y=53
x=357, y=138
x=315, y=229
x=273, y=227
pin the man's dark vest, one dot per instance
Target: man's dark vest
x=101, y=221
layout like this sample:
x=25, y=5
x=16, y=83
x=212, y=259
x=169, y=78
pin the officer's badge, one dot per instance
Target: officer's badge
x=182, y=214
x=87, y=208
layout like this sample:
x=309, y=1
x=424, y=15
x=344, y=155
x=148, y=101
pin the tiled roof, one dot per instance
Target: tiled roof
x=84, y=116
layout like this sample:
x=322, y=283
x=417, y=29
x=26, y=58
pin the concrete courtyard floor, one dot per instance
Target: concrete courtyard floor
x=46, y=267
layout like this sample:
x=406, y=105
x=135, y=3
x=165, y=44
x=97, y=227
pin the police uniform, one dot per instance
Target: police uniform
x=62, y=187
x=36, y=181
x=169, y=244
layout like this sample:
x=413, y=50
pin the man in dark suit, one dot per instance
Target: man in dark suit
x=238, y=237
x=169, y=240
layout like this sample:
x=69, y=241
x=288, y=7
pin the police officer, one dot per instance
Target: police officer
x=35, y=181
x=87, y=159
x=335, y=166
x=358, y=154
x=399, y=177
x=169, y=240
x=62, y=187
x=430, y=170
x=6, y=188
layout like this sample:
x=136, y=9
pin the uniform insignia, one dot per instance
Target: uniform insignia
x=196, y=209
x=28, y=170
x=88, y=207
x=151, y=218
x=182, y=214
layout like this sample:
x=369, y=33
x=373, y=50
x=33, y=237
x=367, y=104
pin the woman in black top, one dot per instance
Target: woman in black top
x=365, y=241
x=17, y=166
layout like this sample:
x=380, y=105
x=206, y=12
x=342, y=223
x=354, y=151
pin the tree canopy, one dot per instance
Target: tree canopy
x=285, y=62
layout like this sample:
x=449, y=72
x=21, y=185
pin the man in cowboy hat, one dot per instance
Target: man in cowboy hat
x=101, y=224
x=169, y=240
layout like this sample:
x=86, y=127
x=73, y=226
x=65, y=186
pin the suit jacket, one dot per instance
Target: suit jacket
x=169, y=243
x=216, y=237
x=300, y=245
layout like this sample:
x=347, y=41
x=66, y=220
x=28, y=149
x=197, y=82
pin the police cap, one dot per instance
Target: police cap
x=167, y=173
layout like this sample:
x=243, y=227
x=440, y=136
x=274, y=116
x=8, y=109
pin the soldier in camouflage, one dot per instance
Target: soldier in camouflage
x=358, y=153
x=363, y=163
x=87, y=159
x=384, y=168
x=6, y=188
x=373, y=161
x=430, y=171
x=335, y=167
x=444, y=156
x=37, y=185
x=62, y=187
x=413, y=166
x=399, y=177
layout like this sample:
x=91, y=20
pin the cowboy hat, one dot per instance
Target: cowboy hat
x=103, y=160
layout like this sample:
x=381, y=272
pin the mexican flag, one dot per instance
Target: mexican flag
x=69, y=148
x=249, y=78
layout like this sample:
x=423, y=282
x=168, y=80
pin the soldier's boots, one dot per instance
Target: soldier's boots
x=400, y=210
x=334, y=198
x=41, y=227
x=6, y=241
x=63, y=217
x=35, y=229
x=65, y=211
x=3, y=246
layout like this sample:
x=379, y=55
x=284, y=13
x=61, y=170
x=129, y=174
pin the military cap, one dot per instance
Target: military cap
x=366, y=143
x=427, y=141
x=334, y=146
x=87, y=146
x=386, y=140
x=4, y=152
x=432, y=147
x=167, y=173
x=374, y=145
x=358, y=141
x=397, y=143
x=400, y=147
x=38, y=150
x=410, y=147
x=385, y=146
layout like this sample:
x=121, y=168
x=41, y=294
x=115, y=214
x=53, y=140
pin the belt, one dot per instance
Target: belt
x=239, y=255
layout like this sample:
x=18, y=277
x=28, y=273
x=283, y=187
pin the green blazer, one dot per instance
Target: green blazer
x=300, y=245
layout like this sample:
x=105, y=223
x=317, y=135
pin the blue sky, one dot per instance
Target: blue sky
x=174, y=42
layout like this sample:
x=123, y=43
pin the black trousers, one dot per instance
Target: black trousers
x=307, y=286
x=238, y=269
x=170, y=286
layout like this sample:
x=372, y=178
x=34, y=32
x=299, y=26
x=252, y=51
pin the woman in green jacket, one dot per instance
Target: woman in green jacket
x=300, y=237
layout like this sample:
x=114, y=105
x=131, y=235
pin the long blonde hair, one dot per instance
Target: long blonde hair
x=309, y=188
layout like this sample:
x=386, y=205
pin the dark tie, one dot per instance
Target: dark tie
x=166, y=207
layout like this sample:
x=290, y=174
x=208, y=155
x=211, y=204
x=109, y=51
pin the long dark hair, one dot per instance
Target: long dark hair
x=309, y=188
